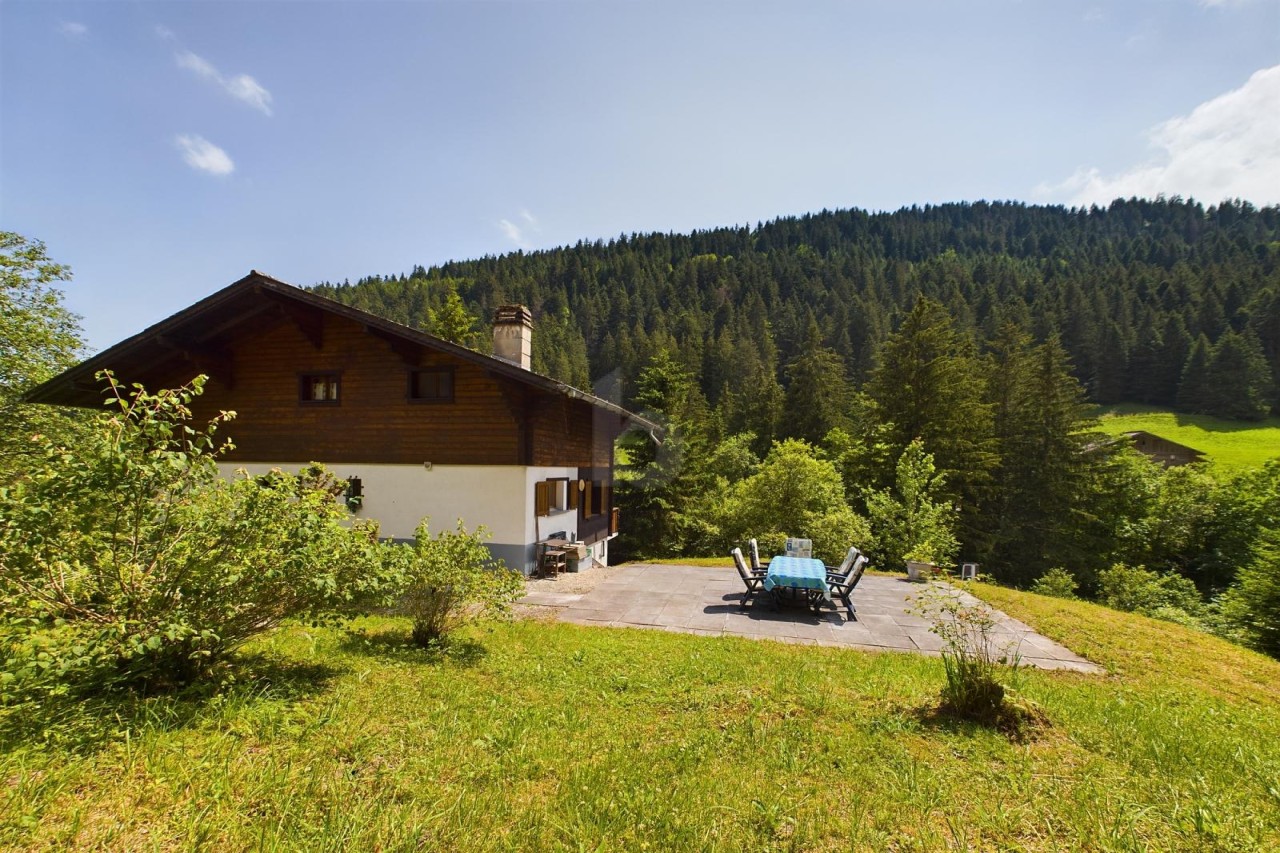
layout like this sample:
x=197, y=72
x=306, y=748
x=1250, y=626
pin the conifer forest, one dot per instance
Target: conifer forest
x=946, y=356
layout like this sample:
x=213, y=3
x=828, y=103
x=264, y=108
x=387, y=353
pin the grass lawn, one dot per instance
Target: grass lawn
x=1231, y=445
x=537, y=736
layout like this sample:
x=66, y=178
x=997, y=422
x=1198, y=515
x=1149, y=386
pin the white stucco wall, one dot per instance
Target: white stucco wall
x=501, y=497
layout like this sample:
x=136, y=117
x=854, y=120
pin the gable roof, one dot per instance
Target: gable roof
x=199, y=332
x=1134, y=435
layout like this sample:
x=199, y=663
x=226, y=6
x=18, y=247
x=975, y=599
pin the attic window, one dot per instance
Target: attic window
x=431, y=385
x=319, y=388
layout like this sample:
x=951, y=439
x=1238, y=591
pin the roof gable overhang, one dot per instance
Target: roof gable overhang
x=200, y=333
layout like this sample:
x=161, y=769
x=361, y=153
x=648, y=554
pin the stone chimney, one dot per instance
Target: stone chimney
x=513, y=335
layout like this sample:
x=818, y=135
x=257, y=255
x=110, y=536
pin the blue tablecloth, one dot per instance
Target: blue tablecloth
x=797, y=573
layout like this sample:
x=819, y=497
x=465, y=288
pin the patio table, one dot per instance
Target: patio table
x=807, y=576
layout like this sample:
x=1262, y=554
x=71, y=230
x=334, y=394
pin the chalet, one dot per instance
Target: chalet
x=418, y=425
x=1167, y=453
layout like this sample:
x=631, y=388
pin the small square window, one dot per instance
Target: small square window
x=319, y=388
x=432, y=384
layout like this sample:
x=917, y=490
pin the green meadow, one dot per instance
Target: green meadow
x=1231, y=445
x=531, y=735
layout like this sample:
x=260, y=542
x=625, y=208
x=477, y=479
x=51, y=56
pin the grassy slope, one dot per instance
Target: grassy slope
x=1231, y=445
x=546, y=736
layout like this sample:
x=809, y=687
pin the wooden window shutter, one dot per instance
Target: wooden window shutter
x=542, y=497
x=589, y=508
x=573, y=494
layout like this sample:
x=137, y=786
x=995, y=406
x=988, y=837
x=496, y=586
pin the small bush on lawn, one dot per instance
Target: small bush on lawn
x=1057, y=582
x=974, y=661
x=128, y=560
x=452, y=578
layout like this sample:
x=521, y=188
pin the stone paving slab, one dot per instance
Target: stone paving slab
x=709, y=601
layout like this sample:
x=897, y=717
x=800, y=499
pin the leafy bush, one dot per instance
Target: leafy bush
x=127, y=559
x=733, y=459
x=833, y=533
x=792, y=493
x=907, y=521
x=39, y=338
x=1057, y=582
x=1171, y=597
x=450, y=579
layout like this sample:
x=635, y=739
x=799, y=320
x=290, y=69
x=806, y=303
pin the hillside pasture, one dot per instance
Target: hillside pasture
x=1230, y=445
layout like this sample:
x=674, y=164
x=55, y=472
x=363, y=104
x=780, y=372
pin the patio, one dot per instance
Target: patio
x=706, y=601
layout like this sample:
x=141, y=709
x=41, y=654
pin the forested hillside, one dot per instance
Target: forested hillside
x=919, y=383
x=1161, y=302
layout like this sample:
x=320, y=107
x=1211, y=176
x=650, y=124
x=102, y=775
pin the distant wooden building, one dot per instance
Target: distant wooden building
x=1167, y=453
x=428, y=427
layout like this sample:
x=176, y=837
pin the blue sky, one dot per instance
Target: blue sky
x=164, y=149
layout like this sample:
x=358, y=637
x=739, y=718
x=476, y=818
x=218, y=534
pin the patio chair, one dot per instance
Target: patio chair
x=757, y=568
x=842, y=586
x=754, y=582
x=838, y=573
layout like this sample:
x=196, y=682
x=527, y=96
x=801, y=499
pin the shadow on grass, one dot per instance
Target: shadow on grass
x=397, y=644
x=82, y=722
x=1018, y=719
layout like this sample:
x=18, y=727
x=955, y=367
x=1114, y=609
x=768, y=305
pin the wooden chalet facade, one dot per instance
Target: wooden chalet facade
x=1167, y=453
x=428, y=427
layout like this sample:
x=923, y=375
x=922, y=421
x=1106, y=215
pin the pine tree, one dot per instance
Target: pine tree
x=559, y=350
x=1239, y=379
x=1037, y=515
x=667, y=478
x=452, y=321
x=929, y=384
x=818, y=393
x=1193, y=390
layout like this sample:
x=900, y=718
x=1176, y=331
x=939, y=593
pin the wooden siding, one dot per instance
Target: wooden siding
x=491, y=420
x=571, y=432
x=374, y=420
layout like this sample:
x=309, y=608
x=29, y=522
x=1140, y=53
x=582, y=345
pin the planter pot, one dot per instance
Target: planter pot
x=920, y=572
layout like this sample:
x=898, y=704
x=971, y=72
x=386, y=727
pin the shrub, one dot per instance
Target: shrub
x=128, y=560
x=974, y=660
x=1057, y=582
x=907, y=521
x=1161, y=596
x=833, y=532
x=793, y=493
x=452, y=578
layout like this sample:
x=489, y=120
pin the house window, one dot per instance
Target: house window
x=431, y=385
x=595, y=499
x=319, y=388
x=552, y=496
x=559, y=494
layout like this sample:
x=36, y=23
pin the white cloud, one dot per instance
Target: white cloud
x=165, y=33
x=201, y=154
x=519, y=234
x=1227, y=147
x=242, y=87
x=73, y=29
